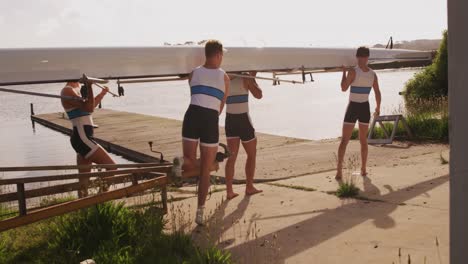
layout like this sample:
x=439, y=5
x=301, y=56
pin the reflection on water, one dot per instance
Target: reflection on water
x=21, y=146
x=312, y=111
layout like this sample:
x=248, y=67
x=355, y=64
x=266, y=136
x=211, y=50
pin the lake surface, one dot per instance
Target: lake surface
x=311, y=111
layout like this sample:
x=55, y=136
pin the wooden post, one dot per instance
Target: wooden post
x=21, y=198
x=164, y=198
x=395, y=127
x=371, y=129
x=407, y=128
x=134, y=179
x=384, y=129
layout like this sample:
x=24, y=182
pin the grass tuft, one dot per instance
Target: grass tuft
x=347, y=190
x=443, y=160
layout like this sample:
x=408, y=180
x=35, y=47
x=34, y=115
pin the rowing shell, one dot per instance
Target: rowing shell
x=49, y=65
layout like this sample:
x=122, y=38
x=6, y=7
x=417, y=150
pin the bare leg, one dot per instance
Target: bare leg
x=251, y=149
x=102, y=157
x=84, y=182
x=208, y=155
x=191, y=166
x=195, y=171
x=364, y=147
x=190, y=155
x=347, y=132
x=233, y=145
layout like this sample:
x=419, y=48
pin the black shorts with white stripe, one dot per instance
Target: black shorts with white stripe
x=239, y=126
x=201, y=123
x=357, y=112
x=82, y=140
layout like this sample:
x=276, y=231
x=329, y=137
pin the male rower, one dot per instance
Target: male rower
x=239, y=129
x=361, y=79
x=80, y=114
x=209, y=86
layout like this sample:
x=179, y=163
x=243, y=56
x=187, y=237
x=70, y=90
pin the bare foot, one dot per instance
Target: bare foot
x=363, y=172
x=252, y=191
x=339, y=175
x=232, y=195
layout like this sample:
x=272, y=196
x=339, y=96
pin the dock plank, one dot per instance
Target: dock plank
x=278, y=157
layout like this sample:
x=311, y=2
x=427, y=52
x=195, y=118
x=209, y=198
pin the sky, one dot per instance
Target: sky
x=327, y=23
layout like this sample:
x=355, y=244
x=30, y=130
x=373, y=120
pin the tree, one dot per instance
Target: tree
x=432, y=82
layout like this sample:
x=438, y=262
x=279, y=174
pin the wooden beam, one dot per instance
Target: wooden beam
x=407, y=128
x=74, y=186
x=384, y=129
x=67, y=207
x=72, y=167
x=385, y=141
x=162, y=169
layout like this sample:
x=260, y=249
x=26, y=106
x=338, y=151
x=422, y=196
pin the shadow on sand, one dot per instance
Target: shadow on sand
x=319, y=228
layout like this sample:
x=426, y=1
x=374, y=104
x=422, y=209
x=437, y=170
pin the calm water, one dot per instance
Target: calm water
x=311, y=111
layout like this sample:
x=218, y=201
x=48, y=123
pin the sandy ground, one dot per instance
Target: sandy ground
x=402, y=209
x=400, y=213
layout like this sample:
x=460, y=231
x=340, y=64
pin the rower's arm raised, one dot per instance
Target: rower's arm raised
x=227, y=83
x=87, y=106
x=347, y=80
x=100, y=96
x=252, y=86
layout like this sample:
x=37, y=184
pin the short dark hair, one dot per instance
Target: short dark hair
x=363, y=52
x=213, y=47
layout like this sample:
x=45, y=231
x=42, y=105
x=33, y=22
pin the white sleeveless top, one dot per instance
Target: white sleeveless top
x=361, y=86
x=238, y=98
x=77, y=116
x=207, y=87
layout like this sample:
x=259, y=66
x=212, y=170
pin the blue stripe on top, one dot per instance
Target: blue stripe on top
x=360, y=90
x=77, y=113
x=237, y=99
x=207, y=90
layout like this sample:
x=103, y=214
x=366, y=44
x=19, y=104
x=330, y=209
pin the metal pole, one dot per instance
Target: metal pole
x=102, y=87
x=151, y=80
x=458, y=79
x=40, y=94
x=32, y=109
x=262, y=78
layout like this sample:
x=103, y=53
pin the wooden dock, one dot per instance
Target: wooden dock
x=128, y=134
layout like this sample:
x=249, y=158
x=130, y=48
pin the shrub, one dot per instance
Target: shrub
x=432, y=82
x=106, y=233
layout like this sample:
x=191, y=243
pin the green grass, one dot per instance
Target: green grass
x=106, y=233
x=295, y=187
x=346, y=190
x=428, y=121
x=7, y=213
x=55, y=200
x=443, y=160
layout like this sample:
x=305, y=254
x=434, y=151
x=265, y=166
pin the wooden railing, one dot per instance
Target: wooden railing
x=142, y=176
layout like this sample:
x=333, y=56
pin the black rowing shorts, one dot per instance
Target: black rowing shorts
x=82, y=140
x=239, y=126
x=201, y=123
x=357, y=112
